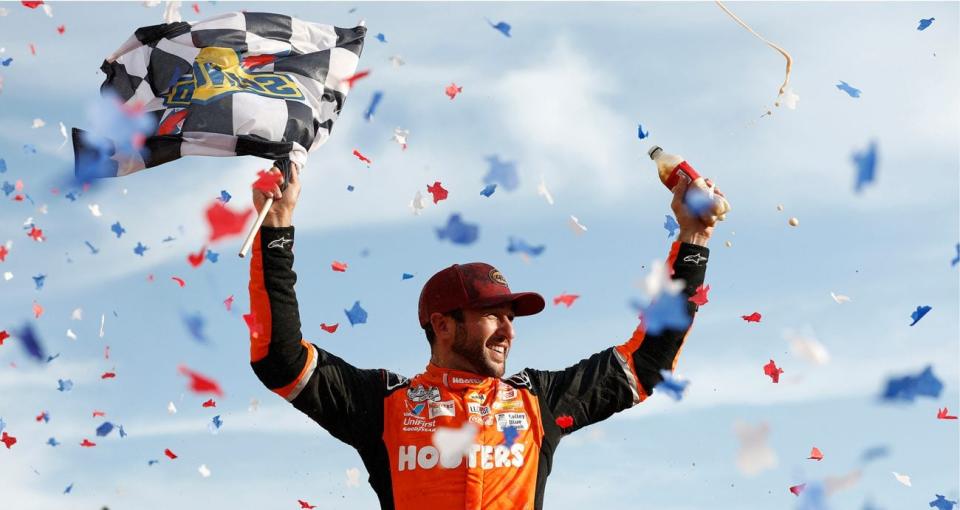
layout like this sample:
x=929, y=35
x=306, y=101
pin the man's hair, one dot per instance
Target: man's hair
x=432, y=335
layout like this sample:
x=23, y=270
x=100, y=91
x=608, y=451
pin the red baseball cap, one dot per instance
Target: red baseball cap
x=473, y=285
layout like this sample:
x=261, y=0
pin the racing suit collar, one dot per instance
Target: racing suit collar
x=457, y=379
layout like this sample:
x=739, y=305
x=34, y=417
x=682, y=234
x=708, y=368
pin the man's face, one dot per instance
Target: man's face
x=482, y=342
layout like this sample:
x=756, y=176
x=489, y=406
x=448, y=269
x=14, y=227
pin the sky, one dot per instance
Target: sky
x=561, y=98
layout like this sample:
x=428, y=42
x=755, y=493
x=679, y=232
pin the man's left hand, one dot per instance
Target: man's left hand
x=694, y=229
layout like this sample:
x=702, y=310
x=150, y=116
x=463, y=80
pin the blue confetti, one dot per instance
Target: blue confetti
x=215, y=424
x=919, y=313
x=866, y=163
x=874, y=453
x=924, y=23
x=909, y=387
x=846, y=87
x=382, y=38
x=51, y=358
x=488, y=190
x=72, y=196
x=224, y=196
x=673, y=387
x=813, y=497
x=212, y=256
x=31, y=343
x=104, y=429
x=140, y=249
x=8, y=188
x=168, y=239
x=503, y=173
x=698, y=202
x=45, y=416
x=640, y=134
x=458, y=232
x=194, y=324
x=665, y=312
x=39, y=280
x=671, y=225
x=64, y=385
x=942, y=503
x=502, y=26
x=118, y=229
x=93, y=250
x=123, y=433
x=3, y=166
x=68, y=489
x=374, y=102
x=53, y=442
x=516, y=245
x=29, y=149
x=350, y=187
x=510, y=435
x=7, y=61
x=356, y=315
x=407, y=276
x=957, y=258
x=152, y=462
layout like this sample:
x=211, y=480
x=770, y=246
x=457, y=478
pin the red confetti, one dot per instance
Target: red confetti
x=195, y=259
x=565, y=421
x=37, y=310
x=88, y=443
x=340, y=267
x=304, y=504
x=815, y=454
x=150, y=278
x=566, y=299
x=210, y=403
x=228, y=302
x=61, y=29
x=797, y=489
x=33, y=49
x=329, y=329
x=3, y=335
x=106, y=352
x=42, y=415
x=224, y=222
x=267, y=180
x=196, y=8
x=31, y=4
x=179, y=281
x=753, y=317
x=700, y=296
x=437, y=191
x=362, y=157
x=170, y=454
x=8, y=440
x=108, y=375
x=254, y=61
x=3, y=253
x=200, y=383
x=350, y=80
x=36, y=234
x=942, y=415
x=171, y=123
x=452, y=90
x=773, y=371
x=99, y=413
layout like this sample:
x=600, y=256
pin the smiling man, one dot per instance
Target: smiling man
x=513, y=425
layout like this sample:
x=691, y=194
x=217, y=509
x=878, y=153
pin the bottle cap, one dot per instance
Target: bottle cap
x=654, y=151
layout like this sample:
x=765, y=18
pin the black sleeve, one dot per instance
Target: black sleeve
x=343, y=399
x=622, y=376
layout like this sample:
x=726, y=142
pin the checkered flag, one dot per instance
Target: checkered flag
x=242, y=83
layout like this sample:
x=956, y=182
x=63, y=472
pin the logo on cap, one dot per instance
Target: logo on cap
x=497, y=277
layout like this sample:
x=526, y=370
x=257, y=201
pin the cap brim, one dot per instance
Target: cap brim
x=524, y=303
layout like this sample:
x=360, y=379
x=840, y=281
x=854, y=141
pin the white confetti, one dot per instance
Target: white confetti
x=576, y=226
x=151, y=3
x=728, y=244
x=63, y=133
x=204, y=471
x=904, y=479
x=780, y=207
x=659, y=282
x=3, y=11
x=71, y=335
x=47, y=9
x=454, y=443
x=77, y=314
x=543, y=191
x=754, y=455
x=171, y=11
x=7, y=276
x=103, y=318
x=417, y=204
x=42, y=209
x=171, y=409
x=38, y=123
x=353, y=477
x=806, y=347
x=793, y=222
x=400, y=136
x=95, y=210
x=396, y=61
x=254, y=405
x=839, y=298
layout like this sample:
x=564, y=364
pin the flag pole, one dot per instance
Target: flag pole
x=248, y=242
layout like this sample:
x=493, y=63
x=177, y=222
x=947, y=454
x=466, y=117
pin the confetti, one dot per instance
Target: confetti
x=351, y=80
x=64, y=385
x=140, y=249
x=574, y=224
x=942, y=503
x=169, y=453
x=908, y=388
x=400, y=136
x=566, y=299
x=953, y=262
x=3, y=253
x=372, y=108
x=943, y=414
x=215, y=424
x=839, y=298
x=203, y=469
x=502, y=26
x=382, y=38
x=39, y=280
x=88, y=444
x=673, y=387
x=179, y=281
x=437, y=191
x=807, y=348
x=793, y=222
x=36, y=234
x=224, y=196
x=329, y=329
x=671, y=225
x=517, y=245
x=225, y=223
x=105, y=429
x=544, y=192
x=565, y=421
x=37, y=310
x=228, y=303
x=32, y=4
x=171, y=409
x=61, y=29
x=31, y=343
x=640, y=134
x=108, y=375
x=866, y=165
x=773, y=371
x=118, y=229
x=919, y=313
x=266, y=181
x=924, y=24
x=195, y=259
x=753, y=317
x=339, y=267
x=304, y=504
x=356, y=314
x=851, y=91
x=38, y=123
x=53, y=442
x=904, y=479
x=353, y=477
x=458, y=232
x=700, y=296
x=212, y=256
x=396, y=61
x=815, y=454
x=754, y=455
x=200, y=383
x=488, y=190
x=3, y=336
x=361, y=157
x=8, y=440
x=452, y=90
x=406, y=276
x=93, y=249
x=99, y=413
x=454, y=443
x=797, y=489
x=44, y=417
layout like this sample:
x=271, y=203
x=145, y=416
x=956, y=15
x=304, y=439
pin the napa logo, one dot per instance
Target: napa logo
x=217, y=72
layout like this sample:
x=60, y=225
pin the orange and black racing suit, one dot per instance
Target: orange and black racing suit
x=390, y=419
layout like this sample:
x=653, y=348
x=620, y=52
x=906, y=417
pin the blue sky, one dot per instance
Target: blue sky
x=562, y=99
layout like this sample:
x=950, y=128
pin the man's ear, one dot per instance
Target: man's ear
x=441, y=324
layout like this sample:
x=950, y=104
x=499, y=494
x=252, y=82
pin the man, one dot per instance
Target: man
x=467, y=312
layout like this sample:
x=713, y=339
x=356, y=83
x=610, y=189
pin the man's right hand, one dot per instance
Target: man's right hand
x=281, y=212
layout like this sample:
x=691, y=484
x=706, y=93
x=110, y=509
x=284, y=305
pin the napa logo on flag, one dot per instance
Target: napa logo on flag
x=218, y=72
